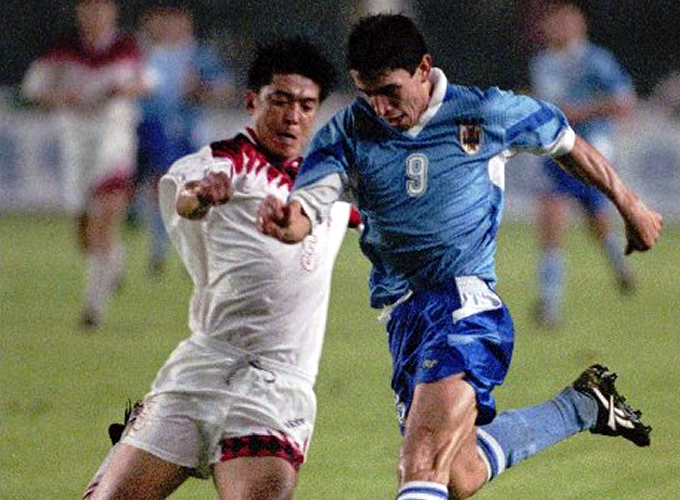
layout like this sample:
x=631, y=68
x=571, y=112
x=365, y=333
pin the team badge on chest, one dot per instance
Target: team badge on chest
x=470, y=135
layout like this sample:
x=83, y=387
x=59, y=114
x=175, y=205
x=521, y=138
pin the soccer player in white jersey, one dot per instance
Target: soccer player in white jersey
x=592, y=89
x=423, y=159
x=92, y=80
x=235, y=400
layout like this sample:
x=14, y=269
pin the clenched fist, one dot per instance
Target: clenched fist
x=197, y=197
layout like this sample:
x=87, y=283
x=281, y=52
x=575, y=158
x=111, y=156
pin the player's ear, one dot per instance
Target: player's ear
x=250, y=100
x=425, y=66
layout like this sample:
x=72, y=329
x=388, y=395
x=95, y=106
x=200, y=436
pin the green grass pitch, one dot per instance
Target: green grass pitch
x=61, y=387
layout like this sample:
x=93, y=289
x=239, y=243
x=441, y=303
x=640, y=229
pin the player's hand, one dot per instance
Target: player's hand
x=197, y=197
x=643, y=228
x=272, y=217
x=214, y=189
x=285, y=222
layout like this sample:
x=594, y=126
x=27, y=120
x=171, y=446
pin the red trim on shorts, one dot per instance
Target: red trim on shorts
x=261, y=446
x=116, y=183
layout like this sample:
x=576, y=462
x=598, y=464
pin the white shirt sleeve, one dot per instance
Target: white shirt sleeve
x=318, y=198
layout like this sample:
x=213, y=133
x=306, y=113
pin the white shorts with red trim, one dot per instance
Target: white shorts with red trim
x=209, y=405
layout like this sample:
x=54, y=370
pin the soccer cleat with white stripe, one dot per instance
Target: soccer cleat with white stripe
x=615, y=417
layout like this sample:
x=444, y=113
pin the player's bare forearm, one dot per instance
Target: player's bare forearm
x=643, y=225
x=196, y=198
x=287, y=222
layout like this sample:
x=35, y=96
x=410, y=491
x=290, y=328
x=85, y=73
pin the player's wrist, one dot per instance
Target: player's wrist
x=191, y=204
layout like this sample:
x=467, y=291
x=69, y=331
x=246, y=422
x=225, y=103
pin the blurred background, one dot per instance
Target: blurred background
x=476, y=42
x=479, y=42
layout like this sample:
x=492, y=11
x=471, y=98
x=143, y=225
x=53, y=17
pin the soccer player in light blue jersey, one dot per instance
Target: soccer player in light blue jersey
x=424, y=161
x=593, y=90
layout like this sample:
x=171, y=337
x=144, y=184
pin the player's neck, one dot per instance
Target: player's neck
x=99, y=40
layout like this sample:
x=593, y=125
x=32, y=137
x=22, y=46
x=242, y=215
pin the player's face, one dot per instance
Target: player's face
x=396, y=96
x=563, y=27
x=97, y=17
x=284, y=112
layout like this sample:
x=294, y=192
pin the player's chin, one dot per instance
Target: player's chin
x=399, y=122
x=288, y=151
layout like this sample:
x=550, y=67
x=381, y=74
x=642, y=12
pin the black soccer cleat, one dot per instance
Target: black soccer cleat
x=116, y=430
x=614, y=417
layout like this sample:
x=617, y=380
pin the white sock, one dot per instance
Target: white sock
x=103, y=273
x=423, y=490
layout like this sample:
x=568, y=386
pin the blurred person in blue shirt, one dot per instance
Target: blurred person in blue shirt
x=188, y=77
x=592, y=89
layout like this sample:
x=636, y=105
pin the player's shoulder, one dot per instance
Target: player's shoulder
x=541, y=61
x=67, y=46
x=349, y=124
x=240, y=150
x=126, y=45
x=247, y=157
x=486, y=102
x=593, y=50
x=357, y=112
x=192, y=165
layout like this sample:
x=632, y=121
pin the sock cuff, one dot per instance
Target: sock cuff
x=423, y=490
x=491, y=452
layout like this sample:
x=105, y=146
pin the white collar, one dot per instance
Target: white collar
x=439, y=83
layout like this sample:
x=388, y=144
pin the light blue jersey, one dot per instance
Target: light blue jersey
x=171, y=121
x=584, y=73
x=432, y=197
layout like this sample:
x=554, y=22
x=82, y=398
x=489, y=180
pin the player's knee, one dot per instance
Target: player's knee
x=465, y=485
x=272, y=487
x=468, y=474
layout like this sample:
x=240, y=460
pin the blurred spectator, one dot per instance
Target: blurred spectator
x=188, y=77
x=91, y=79
x=593, y=90
x=666, y=93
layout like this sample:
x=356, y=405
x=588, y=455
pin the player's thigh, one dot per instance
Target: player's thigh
x=255, y=478
x=441, y=418
x=135, y=474
x=598, y=222
x=552, y=217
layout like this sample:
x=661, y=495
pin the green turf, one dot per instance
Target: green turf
x=60, y=387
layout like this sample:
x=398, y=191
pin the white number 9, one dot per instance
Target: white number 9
x=416, y=170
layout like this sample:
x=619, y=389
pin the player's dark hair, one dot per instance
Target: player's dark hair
x=385, y=42
x=288, y=56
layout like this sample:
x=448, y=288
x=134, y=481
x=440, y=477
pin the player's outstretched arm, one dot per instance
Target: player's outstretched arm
x=195, y=198
x=643, y=225
x=286, y=222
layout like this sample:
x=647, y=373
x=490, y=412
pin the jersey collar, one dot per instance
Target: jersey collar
x=439, y=85
x=290, y=167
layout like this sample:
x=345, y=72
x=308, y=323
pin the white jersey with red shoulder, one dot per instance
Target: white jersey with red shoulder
x=250, y=290
x=94, y=73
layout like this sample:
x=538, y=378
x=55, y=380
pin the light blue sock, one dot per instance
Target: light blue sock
x=518, y=434
x=160, y=241
x=551, y=278
x=613, y=247
x=423, y=490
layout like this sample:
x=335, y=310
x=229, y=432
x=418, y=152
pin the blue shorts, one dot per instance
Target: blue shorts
x=561, y=183
x=464, y=328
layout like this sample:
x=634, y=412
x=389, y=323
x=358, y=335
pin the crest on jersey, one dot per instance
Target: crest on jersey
x=470, y=136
